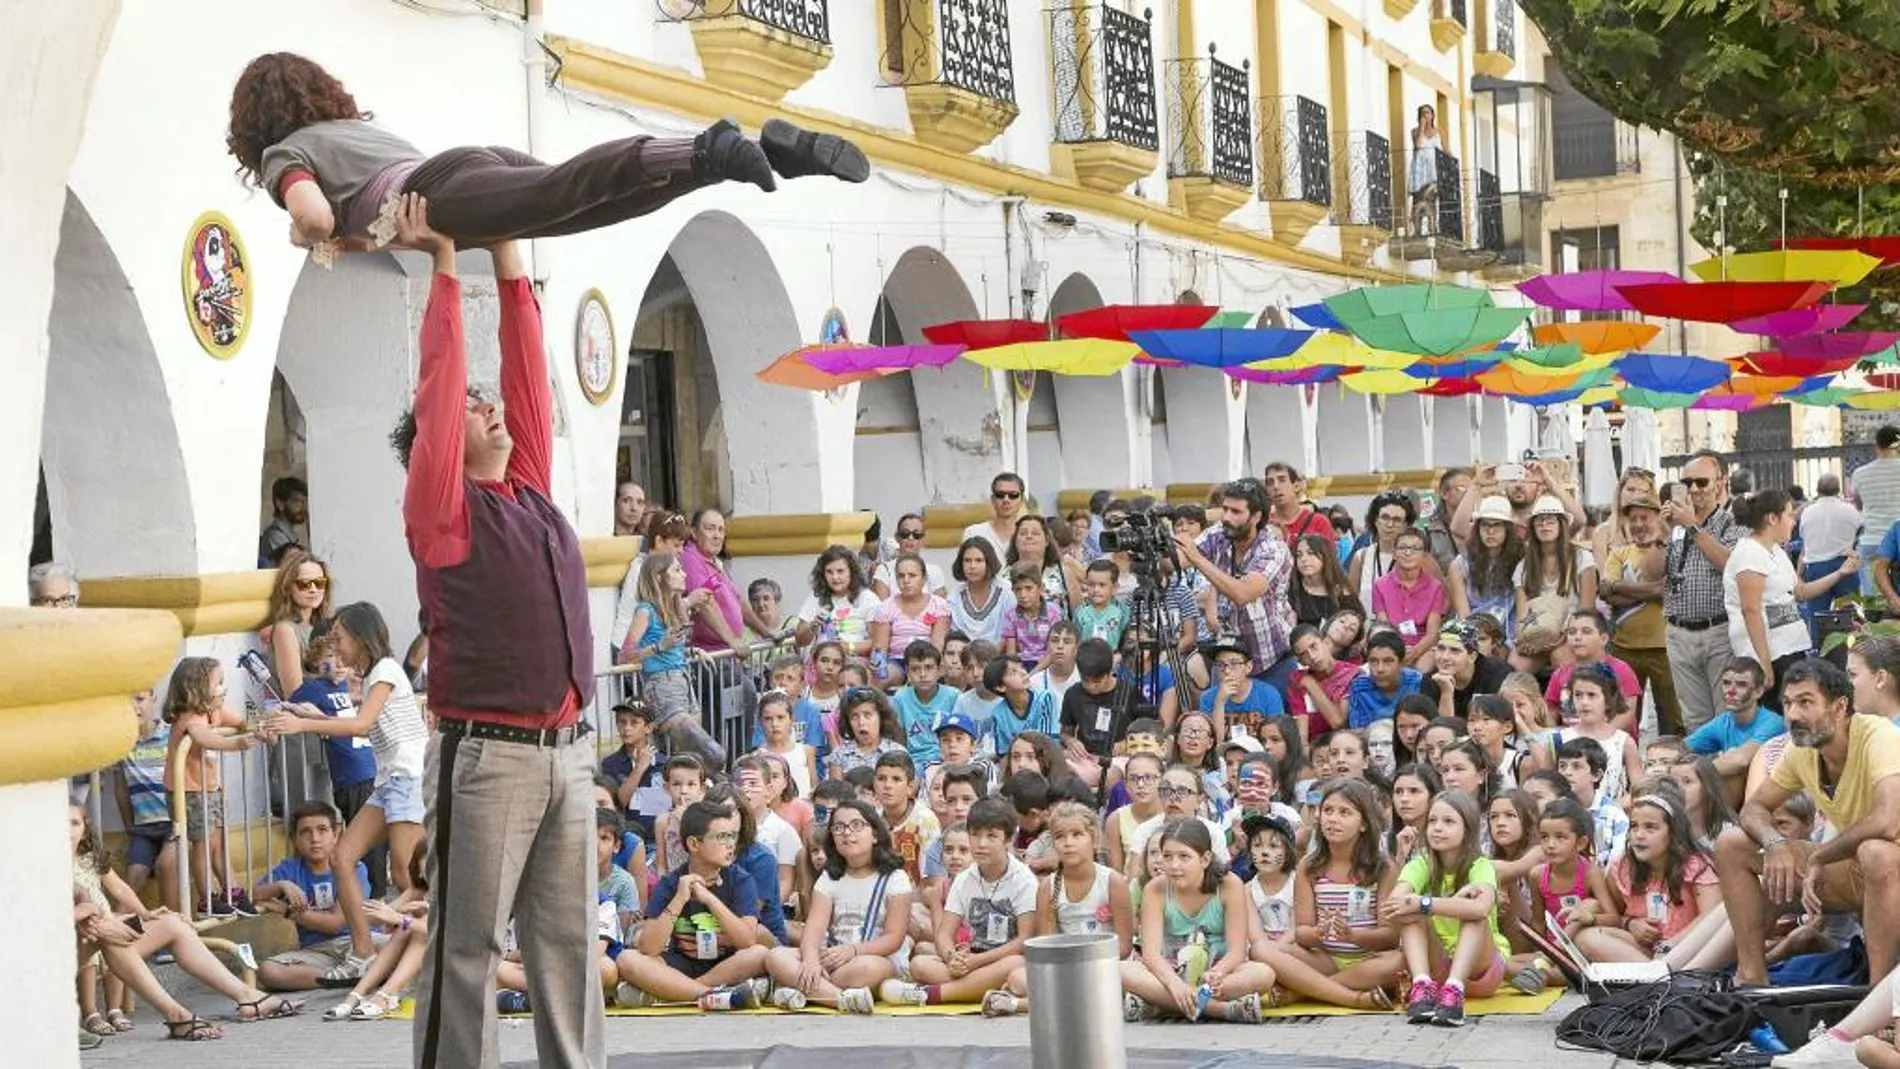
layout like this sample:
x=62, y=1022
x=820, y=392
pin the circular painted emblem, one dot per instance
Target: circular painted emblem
x=1235, y=387
x=596, y=357
x=1024, y=383
x=832, y=330
x=217, y=285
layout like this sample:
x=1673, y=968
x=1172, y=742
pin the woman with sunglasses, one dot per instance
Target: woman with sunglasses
x=298, y=602
x=910, y=539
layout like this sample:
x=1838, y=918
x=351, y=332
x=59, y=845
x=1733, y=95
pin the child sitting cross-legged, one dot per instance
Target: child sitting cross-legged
x=1082, y=896
x=1194, y=928
x=855, y=934
x=399, y=961
x=1445, y=907
x=304, y=888
x=988, y=916
x=700, y=942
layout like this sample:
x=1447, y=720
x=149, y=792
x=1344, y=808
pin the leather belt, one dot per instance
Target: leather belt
x=526, y=736
x=1699, y=625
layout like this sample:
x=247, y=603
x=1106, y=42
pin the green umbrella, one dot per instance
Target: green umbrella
x=1888, y=357
x=1368, y=302
x=1636, y=397
x=1826, y=397
x=1554, y=357
x=1440, y=331
x=1230, y=321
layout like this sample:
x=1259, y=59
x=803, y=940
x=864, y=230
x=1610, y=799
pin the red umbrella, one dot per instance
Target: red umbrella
x=1114, y=322
x=1770, y=362
x=1721, y=302
x=988, y=333
x=1835, y=346
x=1887, y=248
x=1884, y=380
x=1452, y=388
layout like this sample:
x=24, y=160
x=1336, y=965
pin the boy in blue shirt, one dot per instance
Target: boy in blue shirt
x=303, y=888
x=351, y=758
x=1236, y=700
x=1740, y=728
x=144, y=804
x=700, y=942
x=1375, y=694
x=922, y=703
x=1100, y=615
x=637, y=770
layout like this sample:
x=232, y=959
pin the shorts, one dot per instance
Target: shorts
x=1478, y=986
x=688, y=966
x=197, y=804
x=144, y=842
x=319, y=956
x=400, y=799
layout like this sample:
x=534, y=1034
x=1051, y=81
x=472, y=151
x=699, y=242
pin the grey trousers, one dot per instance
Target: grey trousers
x=511, y=834
x=1696, y=660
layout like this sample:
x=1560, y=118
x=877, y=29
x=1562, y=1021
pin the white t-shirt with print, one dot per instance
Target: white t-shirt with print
x=848, y=622
x=851, y=899
x=400, y=737
x=991, y=908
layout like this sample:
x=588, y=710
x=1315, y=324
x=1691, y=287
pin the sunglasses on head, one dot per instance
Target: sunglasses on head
x=859, y=695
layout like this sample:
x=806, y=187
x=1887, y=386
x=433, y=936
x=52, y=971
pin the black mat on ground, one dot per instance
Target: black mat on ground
x=963, y=1058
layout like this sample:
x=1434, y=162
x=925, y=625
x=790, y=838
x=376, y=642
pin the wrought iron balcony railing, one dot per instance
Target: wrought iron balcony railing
x=1295, y=151
x=1510, y=225
x=1504, y=26
x=1455, y=10
x=810, y=19
x=1367, y=158
x=1451, y=197
x=1210, y=121
x=960, y=43
x=1103, y=74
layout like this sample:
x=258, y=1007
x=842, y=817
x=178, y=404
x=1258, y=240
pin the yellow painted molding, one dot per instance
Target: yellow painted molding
x=791, y=533
x=750, y=57
x=66, y=708
x=1359, y=242
x=1109, y=166
x=589, y=68
x=222, y=603
x=1207, y=198
x=955, y=119
x=1398, y=9
x=944, y=524
x=1493, y=64
x=1413, y=69
x=607, y=559
x=1446, y=33
x=1369, y=483
x=1293, y=218
x=1346, y=20
x=1079, y=498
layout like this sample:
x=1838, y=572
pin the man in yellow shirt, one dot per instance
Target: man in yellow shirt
x=1632, y=581
x=1850, y=766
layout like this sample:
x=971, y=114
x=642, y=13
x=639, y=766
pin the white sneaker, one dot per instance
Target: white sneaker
x=631, y=997
x=898, y=993
x=789, y=998
x=761, y=989
x=1818, y=1052
x=855, y=1000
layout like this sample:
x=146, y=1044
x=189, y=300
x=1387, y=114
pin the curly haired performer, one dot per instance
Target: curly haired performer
x=298, y=134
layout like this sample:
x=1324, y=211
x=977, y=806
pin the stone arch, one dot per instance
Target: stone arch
x=1096, y=433
x=117, y=495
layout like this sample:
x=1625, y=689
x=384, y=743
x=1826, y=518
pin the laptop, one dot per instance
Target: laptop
x=1585, y=974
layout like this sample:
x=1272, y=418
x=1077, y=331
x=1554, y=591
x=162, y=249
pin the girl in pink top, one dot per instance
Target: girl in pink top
x=909, y=614
x=1413, y=599
x=1663, y=884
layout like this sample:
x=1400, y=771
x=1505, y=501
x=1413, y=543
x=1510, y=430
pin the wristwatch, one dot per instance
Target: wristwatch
x=1772, y=841
x=1425, y=905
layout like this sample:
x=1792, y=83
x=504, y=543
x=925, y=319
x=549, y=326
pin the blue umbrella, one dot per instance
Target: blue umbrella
x=1554, y=397
x=1318, y=316
x=1668, y=373
x=1220, y=348
x=1461, y=368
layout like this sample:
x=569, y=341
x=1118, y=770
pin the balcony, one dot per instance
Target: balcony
x=1497, y=41
x=1210, y=127
x=1449, y=19
x=1102, y=64
x=1595, y=148
x=1512, y=124
x=1296, y=166
x=1434, y=224
x=765, y=48
x=953, y=59
x=1365, y=219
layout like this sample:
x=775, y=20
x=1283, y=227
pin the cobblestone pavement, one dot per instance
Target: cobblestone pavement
x=1502, y=1042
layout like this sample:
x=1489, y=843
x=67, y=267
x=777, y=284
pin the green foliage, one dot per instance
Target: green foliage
x=1800, y=88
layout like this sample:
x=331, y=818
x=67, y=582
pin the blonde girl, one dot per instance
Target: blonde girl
x=1082, y=896
x=1445, y=907
x=195, y=709
x=656, y=641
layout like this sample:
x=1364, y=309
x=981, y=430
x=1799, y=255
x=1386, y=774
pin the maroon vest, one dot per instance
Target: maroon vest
x=508, y=627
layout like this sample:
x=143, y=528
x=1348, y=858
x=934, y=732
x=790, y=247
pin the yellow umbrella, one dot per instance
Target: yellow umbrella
x=1604, y=336
x=1075, y=356
x=1331, y=349
x=1843, y=267
x=1601, y=395
x=1384, y=381
x=1875, y=400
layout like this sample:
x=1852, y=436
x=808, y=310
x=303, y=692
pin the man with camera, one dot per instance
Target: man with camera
x=1248, y=569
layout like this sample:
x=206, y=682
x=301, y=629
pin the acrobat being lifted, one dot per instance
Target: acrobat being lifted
x=300, y=136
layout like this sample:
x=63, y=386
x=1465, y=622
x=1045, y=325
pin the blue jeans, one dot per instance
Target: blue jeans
x=1810, y=571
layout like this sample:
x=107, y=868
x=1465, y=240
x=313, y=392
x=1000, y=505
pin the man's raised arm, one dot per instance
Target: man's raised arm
x=527, y=398
x=435, y=503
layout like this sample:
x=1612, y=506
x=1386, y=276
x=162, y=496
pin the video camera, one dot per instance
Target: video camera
x=1147, y=537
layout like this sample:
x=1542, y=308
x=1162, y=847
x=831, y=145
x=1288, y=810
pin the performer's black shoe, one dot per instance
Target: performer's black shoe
x=796, y=153
x=723, y=153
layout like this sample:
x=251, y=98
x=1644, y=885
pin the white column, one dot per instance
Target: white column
x=1452, y=443
x=1345, y=432
x=1407, y=442
x=1206, y=425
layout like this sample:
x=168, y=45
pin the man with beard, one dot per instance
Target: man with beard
x=1248, y=571
x=1850, y=766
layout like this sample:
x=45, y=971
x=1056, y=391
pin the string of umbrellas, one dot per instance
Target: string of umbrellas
x=1447, y=340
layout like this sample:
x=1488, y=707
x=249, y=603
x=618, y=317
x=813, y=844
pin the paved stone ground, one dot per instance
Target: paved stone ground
x=1504, y=1042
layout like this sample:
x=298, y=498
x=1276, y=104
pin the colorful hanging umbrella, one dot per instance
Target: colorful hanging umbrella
x=1458, y=387
x=1800, y=321
x=1842, y=267
x=1549, y=357
x=1827, y=398
x=840, y=360
x=1599, y=395
x=1740, y=402
x=1589, y=291
x=1721, y=302
x=1669, y=373
x=1456, y=367
x=1884, y=380
x=1604, y=336
x=1221, y=348
x=1297, y=377
x=1875, y=400
x=1771, y=362
x=1382, y=382
x=1372, y=302
x=1074, y=356
x=1511, y=382
x=1115, y=322
x=795, y=370
x=1554, y=397
x=1759, y=385
x=1637, y=397
x=1318, y=316
x=1887, y=247
x=1582, y=362
x=1832, y=346
x=1330, y=349
x=1440, y=332
x=987, y=333
x=1230, y=320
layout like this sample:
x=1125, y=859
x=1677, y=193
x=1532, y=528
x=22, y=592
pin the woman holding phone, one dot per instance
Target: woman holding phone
x=656, y=642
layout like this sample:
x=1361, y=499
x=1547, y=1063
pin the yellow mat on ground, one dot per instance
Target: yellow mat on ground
x=407, y=1011
x=1509, y=1002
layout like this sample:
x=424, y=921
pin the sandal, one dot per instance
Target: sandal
x=284, y=1008
x=196, y=1030
x=1275, y=998
x=1375, y=999
x=376, y=1007
x=97, y=1024
x=342, y=1010
x=119, y=1020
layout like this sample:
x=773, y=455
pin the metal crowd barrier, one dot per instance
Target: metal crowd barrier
x=182, y=845
x=725, y=686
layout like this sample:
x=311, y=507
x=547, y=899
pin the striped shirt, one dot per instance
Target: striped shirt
x=1877, y=484
x=399, y=736
x=1358, y=903
x=144, y=772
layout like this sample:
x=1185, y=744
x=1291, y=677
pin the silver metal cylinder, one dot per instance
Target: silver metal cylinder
x=1075, y=991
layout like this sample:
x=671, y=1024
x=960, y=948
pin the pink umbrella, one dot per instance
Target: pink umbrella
x=1302, y=377
x=1837, y=346
x=1589, y=291
x=1800, y=321
x=1735, y=402
x=841, y=361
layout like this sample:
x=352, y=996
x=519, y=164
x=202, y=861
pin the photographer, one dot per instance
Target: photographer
x=1249, y=571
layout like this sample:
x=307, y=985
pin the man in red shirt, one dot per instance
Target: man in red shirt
x=504, y=593
x=1287, y=507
